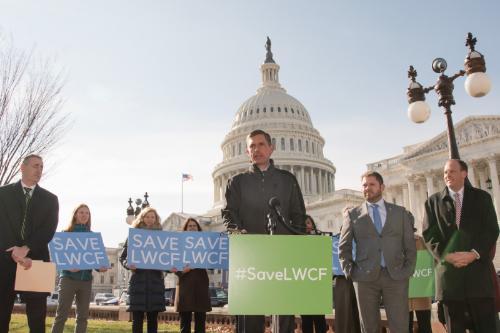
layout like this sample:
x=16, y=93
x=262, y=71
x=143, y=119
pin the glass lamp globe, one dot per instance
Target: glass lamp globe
x=419, y=111
x=477, y=84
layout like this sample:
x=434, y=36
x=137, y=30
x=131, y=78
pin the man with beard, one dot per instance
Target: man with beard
x=247, y=205
x=385, y=256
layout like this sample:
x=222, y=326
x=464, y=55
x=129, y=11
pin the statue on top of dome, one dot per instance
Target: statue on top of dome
x=269, y=54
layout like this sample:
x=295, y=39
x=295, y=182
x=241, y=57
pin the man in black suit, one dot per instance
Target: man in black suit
x=460, y=228
x=28, y=220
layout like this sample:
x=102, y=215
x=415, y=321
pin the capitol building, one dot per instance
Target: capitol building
x=409, y=177
x=298, y=149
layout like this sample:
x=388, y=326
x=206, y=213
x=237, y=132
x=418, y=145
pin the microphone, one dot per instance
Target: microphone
x=274, y=204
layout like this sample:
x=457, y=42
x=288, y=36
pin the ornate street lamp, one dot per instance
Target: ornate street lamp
x=140, y=205
x=477, y=84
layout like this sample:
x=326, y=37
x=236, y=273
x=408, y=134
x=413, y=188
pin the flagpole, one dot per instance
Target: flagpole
x=182, y=194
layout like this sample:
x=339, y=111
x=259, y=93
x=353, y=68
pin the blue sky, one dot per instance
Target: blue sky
x=153, y=86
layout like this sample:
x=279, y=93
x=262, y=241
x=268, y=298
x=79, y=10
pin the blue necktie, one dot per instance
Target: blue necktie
x=377, y=221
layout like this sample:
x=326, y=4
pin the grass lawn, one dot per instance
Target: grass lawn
x=19, y=324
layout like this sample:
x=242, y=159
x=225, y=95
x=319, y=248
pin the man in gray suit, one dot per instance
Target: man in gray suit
x=385, y=256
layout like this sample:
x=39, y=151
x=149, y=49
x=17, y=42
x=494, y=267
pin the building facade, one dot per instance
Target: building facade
x=417, y=173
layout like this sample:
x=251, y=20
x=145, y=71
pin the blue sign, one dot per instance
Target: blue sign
x=78, y=250
x=336, y=268
x=155, y=249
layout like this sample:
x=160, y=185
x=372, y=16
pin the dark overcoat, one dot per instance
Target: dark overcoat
x=191, y=292
x=478, y=231
x=146, y=288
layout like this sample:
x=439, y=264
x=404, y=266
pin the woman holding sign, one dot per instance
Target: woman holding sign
x=310, y=321
x=191, y=294
x=146, y=287
x=75, y=283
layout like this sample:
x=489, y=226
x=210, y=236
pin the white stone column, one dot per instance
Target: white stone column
x=302, y=180
x=314, y=188
x=406, y=199
x=220, y=187
x=320, y=181
x=472, y=175
x=411, y=196
x=216, y=191
x=482, y=179
x=306, y=181
x=492, y=163
x=429, y=179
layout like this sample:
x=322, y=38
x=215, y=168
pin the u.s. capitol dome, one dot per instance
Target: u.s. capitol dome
x=298, y=145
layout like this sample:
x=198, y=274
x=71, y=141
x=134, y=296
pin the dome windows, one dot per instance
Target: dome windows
x=286, y=109
x=299, y=144
x=307, y=146
x=292, y=145
x=264, y=110
x=283, y=144
x=257, y=111
x=272, y=109
x=292, y=110
x=279, y=109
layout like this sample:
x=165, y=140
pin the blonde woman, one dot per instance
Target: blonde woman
x=75, y=283
x=146, y=287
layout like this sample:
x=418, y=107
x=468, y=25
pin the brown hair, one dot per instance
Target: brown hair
x=375, y=174
x=72, y=223
x=139, y=220
x=30, y=156
x=184, y=227
x=259, y=132
x=462, y=164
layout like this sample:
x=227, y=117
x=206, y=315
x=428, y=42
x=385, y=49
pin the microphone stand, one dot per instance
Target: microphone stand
x=271, y=228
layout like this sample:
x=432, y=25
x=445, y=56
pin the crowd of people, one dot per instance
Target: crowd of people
x=460, y=230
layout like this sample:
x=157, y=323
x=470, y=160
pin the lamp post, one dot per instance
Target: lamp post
x=140, y=205
x=477, y=84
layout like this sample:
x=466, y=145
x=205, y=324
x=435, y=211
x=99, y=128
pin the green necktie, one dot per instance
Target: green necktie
x=27, y=198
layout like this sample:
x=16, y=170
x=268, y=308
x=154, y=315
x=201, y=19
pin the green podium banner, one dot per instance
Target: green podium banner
x=280, y=274
x=422, y=281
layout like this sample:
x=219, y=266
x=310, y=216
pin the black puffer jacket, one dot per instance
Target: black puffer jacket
x=146, y=288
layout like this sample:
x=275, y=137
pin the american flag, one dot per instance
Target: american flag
x=186, y=177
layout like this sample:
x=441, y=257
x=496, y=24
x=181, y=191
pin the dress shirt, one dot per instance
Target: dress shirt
x=31, y=187
x=461, y=196
x=381, y=209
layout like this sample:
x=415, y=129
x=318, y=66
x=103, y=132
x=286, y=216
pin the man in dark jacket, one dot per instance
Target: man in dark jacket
x=460, y=228
x=247, y=206
x=28, y=221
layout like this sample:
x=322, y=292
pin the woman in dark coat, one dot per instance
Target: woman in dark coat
x=146, y=287
x=310, y=321
x=191, y=294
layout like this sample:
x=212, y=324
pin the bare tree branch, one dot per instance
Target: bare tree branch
x=31, y=118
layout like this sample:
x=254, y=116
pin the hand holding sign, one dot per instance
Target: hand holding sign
x=162, y=250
